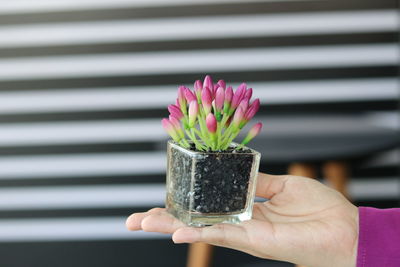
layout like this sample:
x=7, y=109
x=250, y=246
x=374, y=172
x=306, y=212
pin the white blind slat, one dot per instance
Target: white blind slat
x=200, y=61
x=82, y=165
x=188, y=28
x=137, y=98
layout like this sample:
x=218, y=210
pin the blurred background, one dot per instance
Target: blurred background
x=84, y=84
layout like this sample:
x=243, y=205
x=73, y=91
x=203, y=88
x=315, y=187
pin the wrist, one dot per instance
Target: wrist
x=356, y=222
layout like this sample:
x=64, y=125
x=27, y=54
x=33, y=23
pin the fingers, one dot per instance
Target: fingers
x=219, y=234
x=247, y=236
x=236, y=236
x=155, y=220
x=134, y=221
x=253, y=237
x=161, y=222
x=270, y=185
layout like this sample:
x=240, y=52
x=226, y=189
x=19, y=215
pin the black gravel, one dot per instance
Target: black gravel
x=220, y=183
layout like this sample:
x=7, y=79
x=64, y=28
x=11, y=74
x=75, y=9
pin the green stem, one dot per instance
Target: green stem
x=203, y=128
x=228, y=132
x=239, y=146
x=220, y=126
x=194, y=140
x=214, y=141
x=219, y=131
x=184, y=143
x=204, y=140
x=200, y=119
x=230, y=139
x=197, y=143
x=181, y=143
x=185, y=121
x=191, y=138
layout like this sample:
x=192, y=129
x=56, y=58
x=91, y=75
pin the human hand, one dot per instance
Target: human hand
x=304, y=222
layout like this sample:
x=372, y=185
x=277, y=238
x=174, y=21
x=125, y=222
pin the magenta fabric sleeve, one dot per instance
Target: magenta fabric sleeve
x=379, y=237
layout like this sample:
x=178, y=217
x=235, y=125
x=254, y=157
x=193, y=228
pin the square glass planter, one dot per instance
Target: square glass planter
x=204, y=188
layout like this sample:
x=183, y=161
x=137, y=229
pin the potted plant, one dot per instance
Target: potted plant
x=211, y=179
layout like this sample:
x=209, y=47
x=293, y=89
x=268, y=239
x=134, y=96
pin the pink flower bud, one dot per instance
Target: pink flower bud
x=198, y=87
x=182, y=99
x=181, y=93
x=222, y=84
x=254, y=107
x=214, y=91
x=241, y=87
x=239, y=94
x=169, y=128
x=193, y=111
x=228, y=99
x=189, y=95
x=244, y=105
x=254, y=131
x=175, y=122
x=248, y=93
x=167, y=125
x=228, y=94
x=219, y=98
x=206, y=100
x=177, y=126
x=175, y=111
x=211, y=123
x=238, y=117
x=208, y=83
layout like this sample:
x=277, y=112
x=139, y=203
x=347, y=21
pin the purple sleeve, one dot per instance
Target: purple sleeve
x=379, y=238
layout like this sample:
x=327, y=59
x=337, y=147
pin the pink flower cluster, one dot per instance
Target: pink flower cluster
x=211, y=115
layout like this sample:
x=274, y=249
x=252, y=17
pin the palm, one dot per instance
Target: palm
x=303, y=222
x=304, y=214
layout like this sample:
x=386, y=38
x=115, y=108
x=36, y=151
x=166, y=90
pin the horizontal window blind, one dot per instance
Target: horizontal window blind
x=84, y=84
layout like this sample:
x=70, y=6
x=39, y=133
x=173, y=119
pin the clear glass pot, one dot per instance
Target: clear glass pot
x=204, y=188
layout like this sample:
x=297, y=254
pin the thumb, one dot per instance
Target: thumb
x=270, y=185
